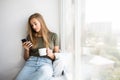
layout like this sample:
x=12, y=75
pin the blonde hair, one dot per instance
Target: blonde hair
x=44, y=31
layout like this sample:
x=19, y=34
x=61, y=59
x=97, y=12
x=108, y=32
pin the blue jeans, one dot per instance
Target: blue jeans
x=36, y=68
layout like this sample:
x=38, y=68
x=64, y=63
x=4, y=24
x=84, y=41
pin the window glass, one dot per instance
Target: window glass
x=101, y=40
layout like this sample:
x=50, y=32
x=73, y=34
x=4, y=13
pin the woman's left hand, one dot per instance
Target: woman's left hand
x=50, y=53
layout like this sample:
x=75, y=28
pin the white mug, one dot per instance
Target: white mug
x=42, y=51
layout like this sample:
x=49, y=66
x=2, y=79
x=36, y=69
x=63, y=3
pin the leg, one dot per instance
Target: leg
x=44, y=72
x=27, y=70
x=25, y=73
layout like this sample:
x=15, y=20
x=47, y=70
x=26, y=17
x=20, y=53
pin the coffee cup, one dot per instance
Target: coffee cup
x=42, y=51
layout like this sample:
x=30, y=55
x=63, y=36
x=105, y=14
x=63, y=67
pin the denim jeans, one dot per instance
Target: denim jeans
x=36, y=68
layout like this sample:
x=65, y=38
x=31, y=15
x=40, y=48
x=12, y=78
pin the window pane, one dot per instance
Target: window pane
x=101, y=40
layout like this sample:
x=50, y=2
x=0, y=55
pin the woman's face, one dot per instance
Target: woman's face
x=35, y=24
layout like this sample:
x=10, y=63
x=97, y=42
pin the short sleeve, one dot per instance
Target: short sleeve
x=56, y=40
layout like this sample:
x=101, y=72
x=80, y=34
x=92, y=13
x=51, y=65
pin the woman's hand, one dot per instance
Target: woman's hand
x=27, y=45
x=50, y=54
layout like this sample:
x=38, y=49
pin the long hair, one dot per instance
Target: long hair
x=44, y=31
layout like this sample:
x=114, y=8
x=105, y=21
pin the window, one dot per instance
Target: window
x=101, y=40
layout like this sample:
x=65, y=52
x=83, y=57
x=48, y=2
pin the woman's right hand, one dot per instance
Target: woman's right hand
x=27, y=45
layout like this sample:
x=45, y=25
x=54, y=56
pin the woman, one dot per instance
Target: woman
x=38, y=67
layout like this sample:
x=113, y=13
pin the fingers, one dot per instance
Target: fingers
x=27, y=44
x=49, y=51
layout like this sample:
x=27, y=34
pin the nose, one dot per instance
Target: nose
x=33, y=26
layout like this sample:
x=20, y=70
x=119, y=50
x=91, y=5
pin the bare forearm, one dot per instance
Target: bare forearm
x=53, y=57
x=26, y=54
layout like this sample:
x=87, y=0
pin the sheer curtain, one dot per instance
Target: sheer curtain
x=70, y=32
x=67, y=31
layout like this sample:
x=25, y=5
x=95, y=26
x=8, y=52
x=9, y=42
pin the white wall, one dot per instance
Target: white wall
x=13, y=20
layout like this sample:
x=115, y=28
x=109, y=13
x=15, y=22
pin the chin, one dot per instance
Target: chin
x=36, y=31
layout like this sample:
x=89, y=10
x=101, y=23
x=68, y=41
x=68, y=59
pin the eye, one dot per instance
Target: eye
x=35, y=23
x=31, y=25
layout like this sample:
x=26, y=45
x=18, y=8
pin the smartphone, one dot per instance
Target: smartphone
x=24, y=40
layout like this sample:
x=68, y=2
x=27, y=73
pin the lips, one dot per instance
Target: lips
x=36, y=30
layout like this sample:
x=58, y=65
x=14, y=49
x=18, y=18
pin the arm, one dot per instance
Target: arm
x=26, y=46
x=26, y=54
x=56, y=49
x=51, y=54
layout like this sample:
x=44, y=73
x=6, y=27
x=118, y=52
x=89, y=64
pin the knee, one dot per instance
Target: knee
x=47, y=71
